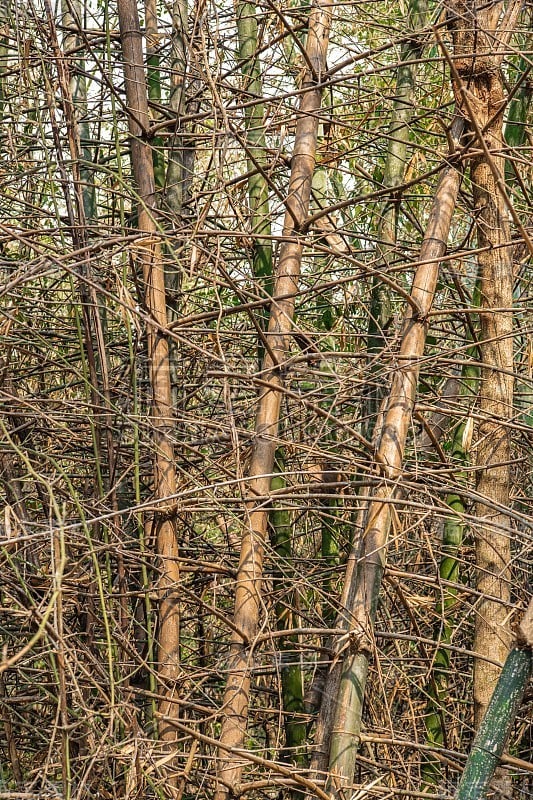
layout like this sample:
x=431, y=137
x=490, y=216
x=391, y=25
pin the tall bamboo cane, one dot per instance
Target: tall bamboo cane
x=148, y=253
x=500, y=714
x=250, y=571
x=366, y=564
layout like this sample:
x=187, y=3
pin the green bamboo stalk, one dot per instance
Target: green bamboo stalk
x=517, y=116
x=292, y=686
x=329, y=551
x=452, y=542
x=72, y=13
x=153, y=80
x=258, y=189
x=380, y=317
x=329, y=546
x=515, y=136
x=515, y=128
x=330, y=506
x=178, y=169
x=502, y=709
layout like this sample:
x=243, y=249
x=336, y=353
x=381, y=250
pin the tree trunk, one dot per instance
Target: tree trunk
x=147, y=251
x=250, y=571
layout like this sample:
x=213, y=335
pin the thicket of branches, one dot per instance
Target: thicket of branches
x=95, y=699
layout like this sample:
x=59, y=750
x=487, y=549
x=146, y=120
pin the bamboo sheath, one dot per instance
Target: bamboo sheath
x=250, y=571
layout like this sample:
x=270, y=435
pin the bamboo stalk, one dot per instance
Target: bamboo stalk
x=452, y=541
x=250, y=571
x=292, y=690
x=279, y=520
x=477, y=65
x=147, y=252
x=179, y=157
x=380, y=316
x=258, y=189
x=500, y=714
x=73, y=18
x=153, y=80
x=362, y=584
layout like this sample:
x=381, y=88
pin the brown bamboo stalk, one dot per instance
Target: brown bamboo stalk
x=347, y=679
x=480, y=39
x=250, y=571
x=147, y=253
x=493, y=456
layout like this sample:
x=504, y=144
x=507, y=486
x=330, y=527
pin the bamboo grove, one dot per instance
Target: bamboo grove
x=266, y=399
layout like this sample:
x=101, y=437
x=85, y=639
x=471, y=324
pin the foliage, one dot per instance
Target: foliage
x=80, y=687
